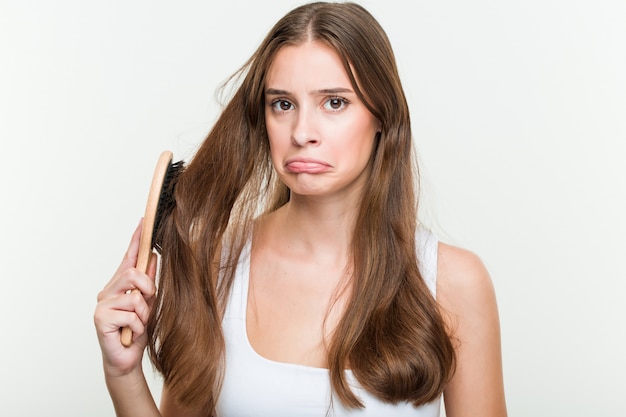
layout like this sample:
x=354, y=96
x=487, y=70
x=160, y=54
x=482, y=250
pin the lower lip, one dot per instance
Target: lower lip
x=306, y=167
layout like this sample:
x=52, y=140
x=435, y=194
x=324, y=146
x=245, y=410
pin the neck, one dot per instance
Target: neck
x=316, y=228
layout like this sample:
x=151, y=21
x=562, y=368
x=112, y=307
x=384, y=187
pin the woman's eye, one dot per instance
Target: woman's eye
x=282, y=105
x=335, y=103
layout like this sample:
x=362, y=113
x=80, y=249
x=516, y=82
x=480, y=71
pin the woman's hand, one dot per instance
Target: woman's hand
x=117, y=308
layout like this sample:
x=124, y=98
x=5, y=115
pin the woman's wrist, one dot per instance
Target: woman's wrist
x=131, y=394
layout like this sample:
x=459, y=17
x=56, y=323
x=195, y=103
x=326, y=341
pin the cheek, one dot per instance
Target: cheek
x=277, y=148
x=362, y=139
x=273, y=135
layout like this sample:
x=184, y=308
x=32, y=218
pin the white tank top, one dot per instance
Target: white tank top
x=254, y=386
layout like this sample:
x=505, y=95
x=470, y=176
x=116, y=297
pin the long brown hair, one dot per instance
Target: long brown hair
x=391, y=335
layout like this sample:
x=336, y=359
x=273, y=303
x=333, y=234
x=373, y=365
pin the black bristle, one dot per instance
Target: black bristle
x=167, y=202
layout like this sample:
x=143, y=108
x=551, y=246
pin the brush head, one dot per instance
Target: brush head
x=167, y=202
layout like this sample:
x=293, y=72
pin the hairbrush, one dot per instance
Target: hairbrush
x=160, y=204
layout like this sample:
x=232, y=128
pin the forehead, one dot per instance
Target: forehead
x=312, y=63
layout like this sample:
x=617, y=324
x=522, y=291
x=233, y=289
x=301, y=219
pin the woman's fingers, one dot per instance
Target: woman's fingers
x=119, y=307
x=111, y=315
x=152, y=266
x=128, y=280
x=132, y=252
x=109, y=320
x=129, y=309
x=125, y=277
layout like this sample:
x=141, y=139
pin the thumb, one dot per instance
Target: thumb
x=130, y=256
x=152, y=266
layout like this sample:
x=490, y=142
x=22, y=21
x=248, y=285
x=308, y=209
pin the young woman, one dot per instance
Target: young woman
x=295, y=279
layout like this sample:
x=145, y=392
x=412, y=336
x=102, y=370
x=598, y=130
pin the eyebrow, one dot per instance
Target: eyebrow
x=338, y=90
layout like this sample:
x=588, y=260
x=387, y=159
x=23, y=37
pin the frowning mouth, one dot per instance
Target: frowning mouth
x=306, y=166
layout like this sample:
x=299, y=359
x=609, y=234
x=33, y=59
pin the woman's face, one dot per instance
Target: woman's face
x=321, y=135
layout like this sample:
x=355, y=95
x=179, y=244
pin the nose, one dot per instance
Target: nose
x=304, y=131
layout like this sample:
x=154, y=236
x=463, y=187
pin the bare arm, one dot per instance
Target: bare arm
x=466, y=296
x=117, y=308
x=131, y=395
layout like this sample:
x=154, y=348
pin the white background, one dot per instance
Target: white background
x=519, y=114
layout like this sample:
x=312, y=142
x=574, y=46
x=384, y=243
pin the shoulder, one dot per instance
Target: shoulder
x=467, y=300
x=462, y=279
x=465, y=292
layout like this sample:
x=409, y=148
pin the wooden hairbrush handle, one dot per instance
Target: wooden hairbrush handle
x=149, y=219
